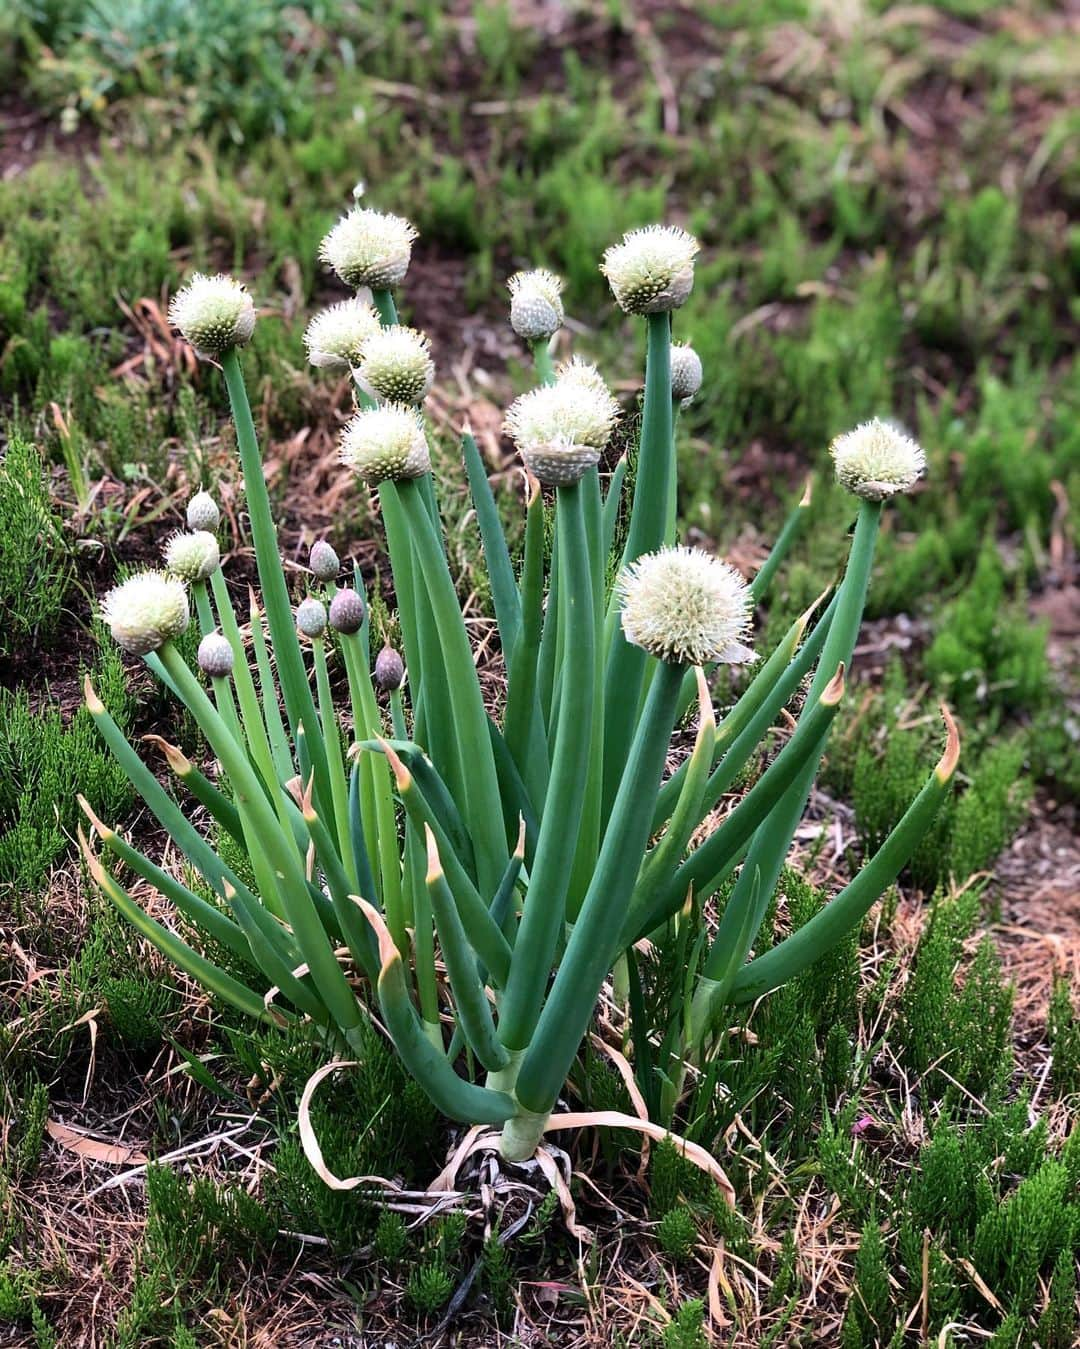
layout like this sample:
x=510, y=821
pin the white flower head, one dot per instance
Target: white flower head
x=192, y=557
x=334, y=336
x=686, y=372
x=536, y=307
x=214, y=313
x=686, y=606
x=146, y=611
x=311, y=617
x=652, y=270
x=369, y=248
x=387, y=441
x=215, y=656
x=395, y=364
x=560, y=429
x=202, y=512
x=876, y=460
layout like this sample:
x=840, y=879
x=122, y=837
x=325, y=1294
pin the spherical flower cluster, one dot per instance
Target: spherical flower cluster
x=389, y=670
x=214, y=313
x=347, y=612
x=323, y=561
x=561, y=428
x=145, y=611
x=215, y=656
x=536, y=307
x=334, y=337
x=875, y=461
x=369, y=248
x=686, y=372
x=311, y=617
x=202, y=512
x=652, y=270
x=192, y=557
x=395, y=364
x=686, y=606
x=387, y=441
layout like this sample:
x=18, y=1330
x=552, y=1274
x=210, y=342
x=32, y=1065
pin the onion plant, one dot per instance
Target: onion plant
x=470, y=874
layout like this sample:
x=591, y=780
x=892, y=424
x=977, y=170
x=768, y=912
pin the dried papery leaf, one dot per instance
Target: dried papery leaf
x=310, y=1143
x=716, y=1278
x=555, y=1178
x=94, y=1149
x=626, y=1072
x=615, y=1119
x=178, y=761
x=951, y=757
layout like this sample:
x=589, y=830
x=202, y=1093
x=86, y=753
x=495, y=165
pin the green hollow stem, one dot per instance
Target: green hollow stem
x=545, y=900
x=771, y=842
x=339, y=790
x=299, y=703
x=832, y=923
x=383, y=300
x=545, y=368
x=593, y=942
x=625, y=674
x=251, y=714
x=281, y=855
x=789, y=532
x=482, y=807
x=275, y=727
x=504, y=590
x=470, y=999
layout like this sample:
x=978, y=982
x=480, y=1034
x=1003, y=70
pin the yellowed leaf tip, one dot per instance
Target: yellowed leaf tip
x=805, y=617
x=402, y=776
x=951, y=757
x=90, y=857
x=434, y=862
x=808, y=493
x=307, y=809
x=388, y=952
x=102, y=830
x=706, y=715
x=532, y=489
x=466, y=427
x=834, y=690
x=94, y=704
x=519, y=846
x=253, y=604
x=178, y=761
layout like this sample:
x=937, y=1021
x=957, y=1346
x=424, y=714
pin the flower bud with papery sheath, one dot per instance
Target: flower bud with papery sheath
x=347, y=612
x=652, y=270
x=536, y=307
x=686, y=606
x=214, y=313
x=146, y=611
x=311, y=617
x=194, y=556
x=876, y=460
x=215, y=656
x=686, y=372
x=369, y=248
x=323, y=561
x=389, y=670
x=202, y=512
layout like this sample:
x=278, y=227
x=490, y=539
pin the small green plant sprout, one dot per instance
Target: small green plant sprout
x=467, y=874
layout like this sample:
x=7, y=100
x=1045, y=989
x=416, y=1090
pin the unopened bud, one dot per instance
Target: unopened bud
x=215, y=656
x=347, y=612
x=311, y=618
x=202, y=512
x=389, y=670
x=323, y=561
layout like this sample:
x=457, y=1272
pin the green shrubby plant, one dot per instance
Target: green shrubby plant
x=37, y=569
x=487, y=868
